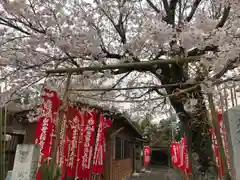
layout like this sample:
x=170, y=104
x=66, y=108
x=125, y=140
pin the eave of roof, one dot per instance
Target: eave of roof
x=111, y=111
x=114, y=112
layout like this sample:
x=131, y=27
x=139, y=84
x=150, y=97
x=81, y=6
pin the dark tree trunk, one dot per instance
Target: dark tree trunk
x=194, y=125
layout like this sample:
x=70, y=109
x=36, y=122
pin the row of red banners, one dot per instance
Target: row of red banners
x=78, y=154
x=180, y=156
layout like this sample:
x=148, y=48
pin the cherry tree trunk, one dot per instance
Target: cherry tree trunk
x=195, y=126
x=194, y=123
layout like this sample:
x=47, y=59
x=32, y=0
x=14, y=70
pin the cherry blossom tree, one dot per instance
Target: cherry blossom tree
x=140, y=52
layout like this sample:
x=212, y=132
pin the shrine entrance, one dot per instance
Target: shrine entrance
x=159, y=157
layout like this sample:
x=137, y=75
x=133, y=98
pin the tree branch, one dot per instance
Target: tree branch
x=7, y=23
x=193, y=10
x=133, y=88
x=139, y=66
x=166, y=5
x=119, y=80
x=119, y=27
x=140, y=96
x=176, y=94
x=224, y=18
x=199, y=52
x=171, y=12
x=153, y=6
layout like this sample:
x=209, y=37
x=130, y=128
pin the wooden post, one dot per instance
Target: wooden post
x=225, y=97
x=235, y=93
x=232, y=97
x=221, y=98
x=58, y=129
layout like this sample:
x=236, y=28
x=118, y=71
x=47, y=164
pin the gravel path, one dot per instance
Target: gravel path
x=154, y=173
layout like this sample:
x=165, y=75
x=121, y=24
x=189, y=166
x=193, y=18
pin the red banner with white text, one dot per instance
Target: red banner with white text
x=87, y=145
x=180, y=156
x=45, y=125
x=175, y=153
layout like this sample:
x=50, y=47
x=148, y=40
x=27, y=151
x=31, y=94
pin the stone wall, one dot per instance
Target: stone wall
x=232, y=123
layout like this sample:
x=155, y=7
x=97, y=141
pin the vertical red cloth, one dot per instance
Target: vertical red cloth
x=182, y=153
x=80, y=145
x=98, y=151
x=73, y=136
x=63, y=146
x=45, y=125
x=87, y=145
x=147, y=153
x=179, y=155
x=100, y=147
x=175, y=151
x=224, y=142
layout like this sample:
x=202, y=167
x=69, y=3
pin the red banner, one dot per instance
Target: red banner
x=175, y=153
x=79, y=151
x=74, y=137
x=180, y=156
x=224, y=136
x=45, y=126
x=66, y=144
x=87, y=145
x=97, y=167
x=100, y=147
x=147, y=154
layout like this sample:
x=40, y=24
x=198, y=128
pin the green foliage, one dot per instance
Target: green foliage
x=154, y=131
x=46, y=171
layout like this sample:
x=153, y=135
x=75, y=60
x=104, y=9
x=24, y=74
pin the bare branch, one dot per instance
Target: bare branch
x=198, y=52
x=171, y=12
x=224, y=18
x=119, y=81
x=140, y=87
x=8, y=23
x=153, y=6
x=72, y=59
x=156, y=87
x=176, y=94
x=193, y=10
x=227, y=67
x=166, y=5
x=118, y=26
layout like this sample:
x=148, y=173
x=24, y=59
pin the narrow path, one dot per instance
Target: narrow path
x=154, y=173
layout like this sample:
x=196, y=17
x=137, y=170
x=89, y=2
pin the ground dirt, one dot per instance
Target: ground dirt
x=153, y=173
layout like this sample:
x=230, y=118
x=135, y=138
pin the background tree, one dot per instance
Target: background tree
x=154, y=132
